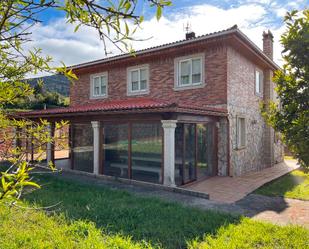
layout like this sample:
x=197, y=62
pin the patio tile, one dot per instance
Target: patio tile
x=231, y=189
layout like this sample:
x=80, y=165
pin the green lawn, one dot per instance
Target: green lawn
x=91, y=216
x=293, y=185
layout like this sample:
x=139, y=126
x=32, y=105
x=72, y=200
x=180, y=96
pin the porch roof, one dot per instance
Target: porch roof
x=136, y=105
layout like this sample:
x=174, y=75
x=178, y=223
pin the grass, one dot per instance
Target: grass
x=251, y=234
x=293, y=185
x=25, y=228
x=160, y=223
x=92, y=216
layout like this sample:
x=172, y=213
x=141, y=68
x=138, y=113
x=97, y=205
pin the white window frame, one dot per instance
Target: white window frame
x=92, y=77
x=260, y=90
x=177, y=63
x=240, y=133
x=131, y=92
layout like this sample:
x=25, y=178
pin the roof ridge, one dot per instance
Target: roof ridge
x=234, y=27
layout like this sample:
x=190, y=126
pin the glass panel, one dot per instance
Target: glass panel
x=134, y=80
x=185, y=71
x=135, y=86
x=179, y=149
x=96, y=86
x=143, y=74
x=261, y=83
x=103, y=90
x=205, y=150
x=147, y=152
x=103, y=85
x=202, y=166
x=103, y=80
x=115, y=149
x=134, y=75
x=143, y=85
x=257, y=81
x=242, y=132
x=83, y=147
x=196, y=71
x=143, y=79
x=189, y=165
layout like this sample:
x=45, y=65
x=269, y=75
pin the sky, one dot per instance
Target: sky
x=57, y=38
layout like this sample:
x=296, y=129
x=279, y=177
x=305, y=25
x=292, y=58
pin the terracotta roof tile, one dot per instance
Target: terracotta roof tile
x=120, y=105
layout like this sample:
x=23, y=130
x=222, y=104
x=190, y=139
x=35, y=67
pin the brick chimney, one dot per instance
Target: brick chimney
x=268, y=44
x=190, y=35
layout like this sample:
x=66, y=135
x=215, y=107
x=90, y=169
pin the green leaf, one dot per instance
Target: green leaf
x=159, y=12
x=32, y=184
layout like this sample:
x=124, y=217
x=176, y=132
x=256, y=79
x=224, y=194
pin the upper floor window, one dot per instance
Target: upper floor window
x=241, y=132
x=138, y=80
x=99, y=85
x=189, y=72
x=258, y=82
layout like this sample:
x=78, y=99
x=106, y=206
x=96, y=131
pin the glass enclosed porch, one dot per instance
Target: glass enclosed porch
x=167, y=152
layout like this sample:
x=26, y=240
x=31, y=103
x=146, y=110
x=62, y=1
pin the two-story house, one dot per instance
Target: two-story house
x=174, y=113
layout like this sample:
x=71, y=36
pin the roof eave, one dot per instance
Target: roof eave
x=257, y=50
x=155, y=49
x=174, y=109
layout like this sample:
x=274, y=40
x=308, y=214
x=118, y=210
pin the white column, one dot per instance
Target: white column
x=49, y=150
x=169, y=152
x=96, y=146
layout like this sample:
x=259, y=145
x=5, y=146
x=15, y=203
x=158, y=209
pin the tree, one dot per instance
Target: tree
x=40, y=99
x=115, y=21
x=290, y=116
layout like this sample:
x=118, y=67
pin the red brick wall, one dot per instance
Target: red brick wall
x=161, y=78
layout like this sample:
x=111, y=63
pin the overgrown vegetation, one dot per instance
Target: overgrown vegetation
x=293, y=185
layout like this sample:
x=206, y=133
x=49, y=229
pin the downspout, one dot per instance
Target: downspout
x=228, y=157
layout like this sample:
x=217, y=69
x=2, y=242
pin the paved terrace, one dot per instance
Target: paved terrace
x=231, y=189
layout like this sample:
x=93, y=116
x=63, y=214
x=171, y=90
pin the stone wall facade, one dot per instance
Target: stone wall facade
x=262, y=149
x=223, y=147
x=244, y=103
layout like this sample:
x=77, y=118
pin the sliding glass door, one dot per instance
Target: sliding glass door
x=189, y=169
x=194, y=152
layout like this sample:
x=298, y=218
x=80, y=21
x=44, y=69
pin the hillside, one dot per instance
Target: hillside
x=53, y=83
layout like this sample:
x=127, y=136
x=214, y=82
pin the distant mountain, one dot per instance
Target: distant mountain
x=53, y=83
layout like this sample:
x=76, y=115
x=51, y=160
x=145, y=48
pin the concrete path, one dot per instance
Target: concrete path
x=277, y=210
x=232, y=189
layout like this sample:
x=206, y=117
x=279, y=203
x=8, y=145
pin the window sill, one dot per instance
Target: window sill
x=260, y=95
x=240, y=148
x=98, y=97
x=180, y=88
x=138, y=93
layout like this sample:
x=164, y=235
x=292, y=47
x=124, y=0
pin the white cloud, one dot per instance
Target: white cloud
x=281, y=12
x=59, y=40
